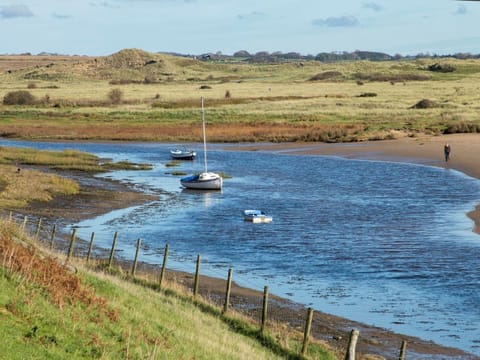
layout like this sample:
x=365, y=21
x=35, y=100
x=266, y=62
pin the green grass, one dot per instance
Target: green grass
x=262, y=96
x=65, y=160
x=47, y=312
x=20, y=184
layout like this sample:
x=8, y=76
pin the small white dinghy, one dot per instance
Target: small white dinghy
x=182, y=153
x=256, y=216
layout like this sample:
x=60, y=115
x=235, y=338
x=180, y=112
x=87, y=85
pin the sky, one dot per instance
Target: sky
x=308, y=27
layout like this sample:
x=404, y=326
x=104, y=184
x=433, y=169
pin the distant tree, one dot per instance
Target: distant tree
x=292, y=55
x=20, y=97
x=115, y=96
x=262, y=54
x=242, y=53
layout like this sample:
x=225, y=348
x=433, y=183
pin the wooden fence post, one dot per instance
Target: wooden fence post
x=308, y=326
x=90, y=247
x=352, y=343
x=112, y=251
x=24, y=223
x=72, y=242
x=52, y=238
x=264, y=309
x=164, y=266
x=197, y=277
x=39, y=226
x=134, y=267
x=227, y=293
x=403, y=350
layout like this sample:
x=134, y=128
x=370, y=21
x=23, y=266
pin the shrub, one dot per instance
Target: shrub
x=445, y=68
x=327, y=75
x=115, y=96
x=462, y=128
x=21, y=97
x=368, y=94
x=424, y=104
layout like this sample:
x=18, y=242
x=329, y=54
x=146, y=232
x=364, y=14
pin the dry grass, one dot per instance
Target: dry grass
x=21, y=188
x=63, y=286
x=261, y=98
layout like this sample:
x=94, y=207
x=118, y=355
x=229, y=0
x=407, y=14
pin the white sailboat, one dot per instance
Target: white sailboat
x=204, y=180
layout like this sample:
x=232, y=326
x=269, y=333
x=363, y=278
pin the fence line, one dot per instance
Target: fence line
x=254, y=306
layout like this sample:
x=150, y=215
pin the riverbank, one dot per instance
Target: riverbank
x=100, y=196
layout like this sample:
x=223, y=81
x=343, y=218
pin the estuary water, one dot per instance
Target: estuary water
x=387, y=244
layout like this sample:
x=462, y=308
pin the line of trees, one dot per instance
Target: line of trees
x=265, y=56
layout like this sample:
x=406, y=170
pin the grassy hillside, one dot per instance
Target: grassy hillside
x=157, y=98
x=47, y=311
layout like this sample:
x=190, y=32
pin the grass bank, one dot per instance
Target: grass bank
x=49, y=311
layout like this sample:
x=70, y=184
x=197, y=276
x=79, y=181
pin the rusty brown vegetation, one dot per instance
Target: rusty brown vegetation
x=157, y=98
x=58, y=280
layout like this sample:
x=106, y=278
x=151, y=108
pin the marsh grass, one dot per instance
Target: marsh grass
x=64, y=160
x=267, y=102
x=21, y=184
x=21, y=188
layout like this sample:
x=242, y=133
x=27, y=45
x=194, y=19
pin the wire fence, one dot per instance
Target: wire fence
x=261, y=308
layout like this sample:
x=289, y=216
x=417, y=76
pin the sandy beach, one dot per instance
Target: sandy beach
x=333, y=330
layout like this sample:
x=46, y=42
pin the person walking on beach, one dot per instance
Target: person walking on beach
x=446, y=150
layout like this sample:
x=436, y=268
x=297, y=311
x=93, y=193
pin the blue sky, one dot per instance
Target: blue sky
x=103, y=27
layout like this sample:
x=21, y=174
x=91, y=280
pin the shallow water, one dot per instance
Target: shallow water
x=387, y=244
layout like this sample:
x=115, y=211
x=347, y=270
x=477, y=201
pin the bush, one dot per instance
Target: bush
x=21, y=97
x=445, y=68
x=462, y=128
x=115, y=96
x=424, y=104
x=327, y=75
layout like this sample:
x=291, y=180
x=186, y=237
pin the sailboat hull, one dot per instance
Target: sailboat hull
x=203, y=181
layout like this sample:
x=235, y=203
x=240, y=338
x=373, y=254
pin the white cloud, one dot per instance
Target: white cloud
x=61, y=16
x=15, y=11
x=373, y=6
x=254, y=15
x=461, y=10
x=341, y=21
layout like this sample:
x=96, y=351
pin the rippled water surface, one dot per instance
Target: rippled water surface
x=387, y=244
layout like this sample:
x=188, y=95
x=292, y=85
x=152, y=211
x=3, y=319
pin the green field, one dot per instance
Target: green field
x=156, y=97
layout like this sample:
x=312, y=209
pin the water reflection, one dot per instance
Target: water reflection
x=384, y=243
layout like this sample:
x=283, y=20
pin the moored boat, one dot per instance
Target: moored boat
x=256, y=216
x=182, y=153
x=204, y=180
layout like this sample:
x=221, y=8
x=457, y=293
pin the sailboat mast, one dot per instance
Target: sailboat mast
x=204, y=138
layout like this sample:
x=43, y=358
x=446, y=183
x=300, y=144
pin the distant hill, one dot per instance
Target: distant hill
x=139, y=66
x=128, y=64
